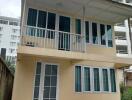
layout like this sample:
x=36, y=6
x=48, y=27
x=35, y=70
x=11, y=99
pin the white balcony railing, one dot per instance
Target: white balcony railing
x=47, y=38
x=121, y=51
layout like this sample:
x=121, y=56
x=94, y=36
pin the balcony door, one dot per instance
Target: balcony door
x=64, y=34
x=46, y=82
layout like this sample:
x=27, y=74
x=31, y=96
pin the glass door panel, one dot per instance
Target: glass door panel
x=64, y=36
x=50, y=82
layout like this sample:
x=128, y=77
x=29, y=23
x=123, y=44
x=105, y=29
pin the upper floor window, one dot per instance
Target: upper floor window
x=32, y=16
x=109, y=36
x=13, y=23
x=1, y=28
x=3, y=21
x=94, y=33
x=42, y=15
x=12, y=43
x=87, y=31
x=12, y=50
x=94, y=79
x=0, y=35
x=45, y=20
x=14, y=30
x=78, y=26
x=103, y=34
x=13, y=37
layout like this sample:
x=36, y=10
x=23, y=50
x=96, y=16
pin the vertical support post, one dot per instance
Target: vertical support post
x=22, y=24
x=83, y=36
x=124, y=76
x=130, y=32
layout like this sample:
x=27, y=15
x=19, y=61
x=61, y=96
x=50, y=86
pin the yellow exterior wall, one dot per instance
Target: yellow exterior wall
x=24, y=79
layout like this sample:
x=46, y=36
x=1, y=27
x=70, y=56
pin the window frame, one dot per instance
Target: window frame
x=92, y=79
x=42, y=78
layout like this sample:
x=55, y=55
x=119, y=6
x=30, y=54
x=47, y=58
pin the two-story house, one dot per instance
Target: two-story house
x=67, y=50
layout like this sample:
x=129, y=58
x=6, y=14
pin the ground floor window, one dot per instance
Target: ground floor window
x=45, y=87
x=94, y=79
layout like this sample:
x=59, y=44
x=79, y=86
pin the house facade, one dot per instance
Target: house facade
x=67, y=50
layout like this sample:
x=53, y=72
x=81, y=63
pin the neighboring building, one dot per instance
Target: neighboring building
x=67, y=50
x=9, y=37
x=6, y=81
x=123, y=43
x=122, y=37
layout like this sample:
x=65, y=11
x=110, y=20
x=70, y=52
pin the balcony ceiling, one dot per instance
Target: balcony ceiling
x=103, y=10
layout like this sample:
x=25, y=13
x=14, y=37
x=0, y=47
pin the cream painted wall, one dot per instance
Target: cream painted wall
x=24, y=79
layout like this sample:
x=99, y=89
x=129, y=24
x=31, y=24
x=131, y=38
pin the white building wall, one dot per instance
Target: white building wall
x=9, y=37
x=125, y=29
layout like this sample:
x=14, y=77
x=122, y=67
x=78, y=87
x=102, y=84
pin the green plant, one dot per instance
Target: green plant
x=10, y=66
x=126, y=92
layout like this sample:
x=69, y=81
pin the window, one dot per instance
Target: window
x=12, y=43
x=121, y=49
x=13, y=23
x=1, y=28
x=32, y=16
x=51, y=20
x=113, y=81
x=13, y=37
x=78, y=78
x=109, y=35
x=87, y=31
x=37, y=81
x=14, y=30
x=3, y=21
x=47, y=76
x=42, y=19
x=96, y=79
x=105, y=80
x=87, y=80
x=78, y=26
x=45, y=20
x=103, y=35
x=11, y=50
x=0, y=35
x=94, y=33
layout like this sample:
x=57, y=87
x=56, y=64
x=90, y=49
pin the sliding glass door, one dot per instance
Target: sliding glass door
x=64, y=36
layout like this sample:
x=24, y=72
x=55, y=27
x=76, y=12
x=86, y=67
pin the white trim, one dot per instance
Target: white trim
x=92, y=79
x=42, y=75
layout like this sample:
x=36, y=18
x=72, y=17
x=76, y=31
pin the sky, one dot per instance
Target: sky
x=10, y=8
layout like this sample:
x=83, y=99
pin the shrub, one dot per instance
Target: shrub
x=126, y=92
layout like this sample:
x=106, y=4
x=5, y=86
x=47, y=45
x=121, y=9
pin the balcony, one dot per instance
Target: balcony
x=121, y=51
x=120, y=38
x=52, y=39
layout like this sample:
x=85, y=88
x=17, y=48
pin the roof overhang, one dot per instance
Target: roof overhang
x=103, y=10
